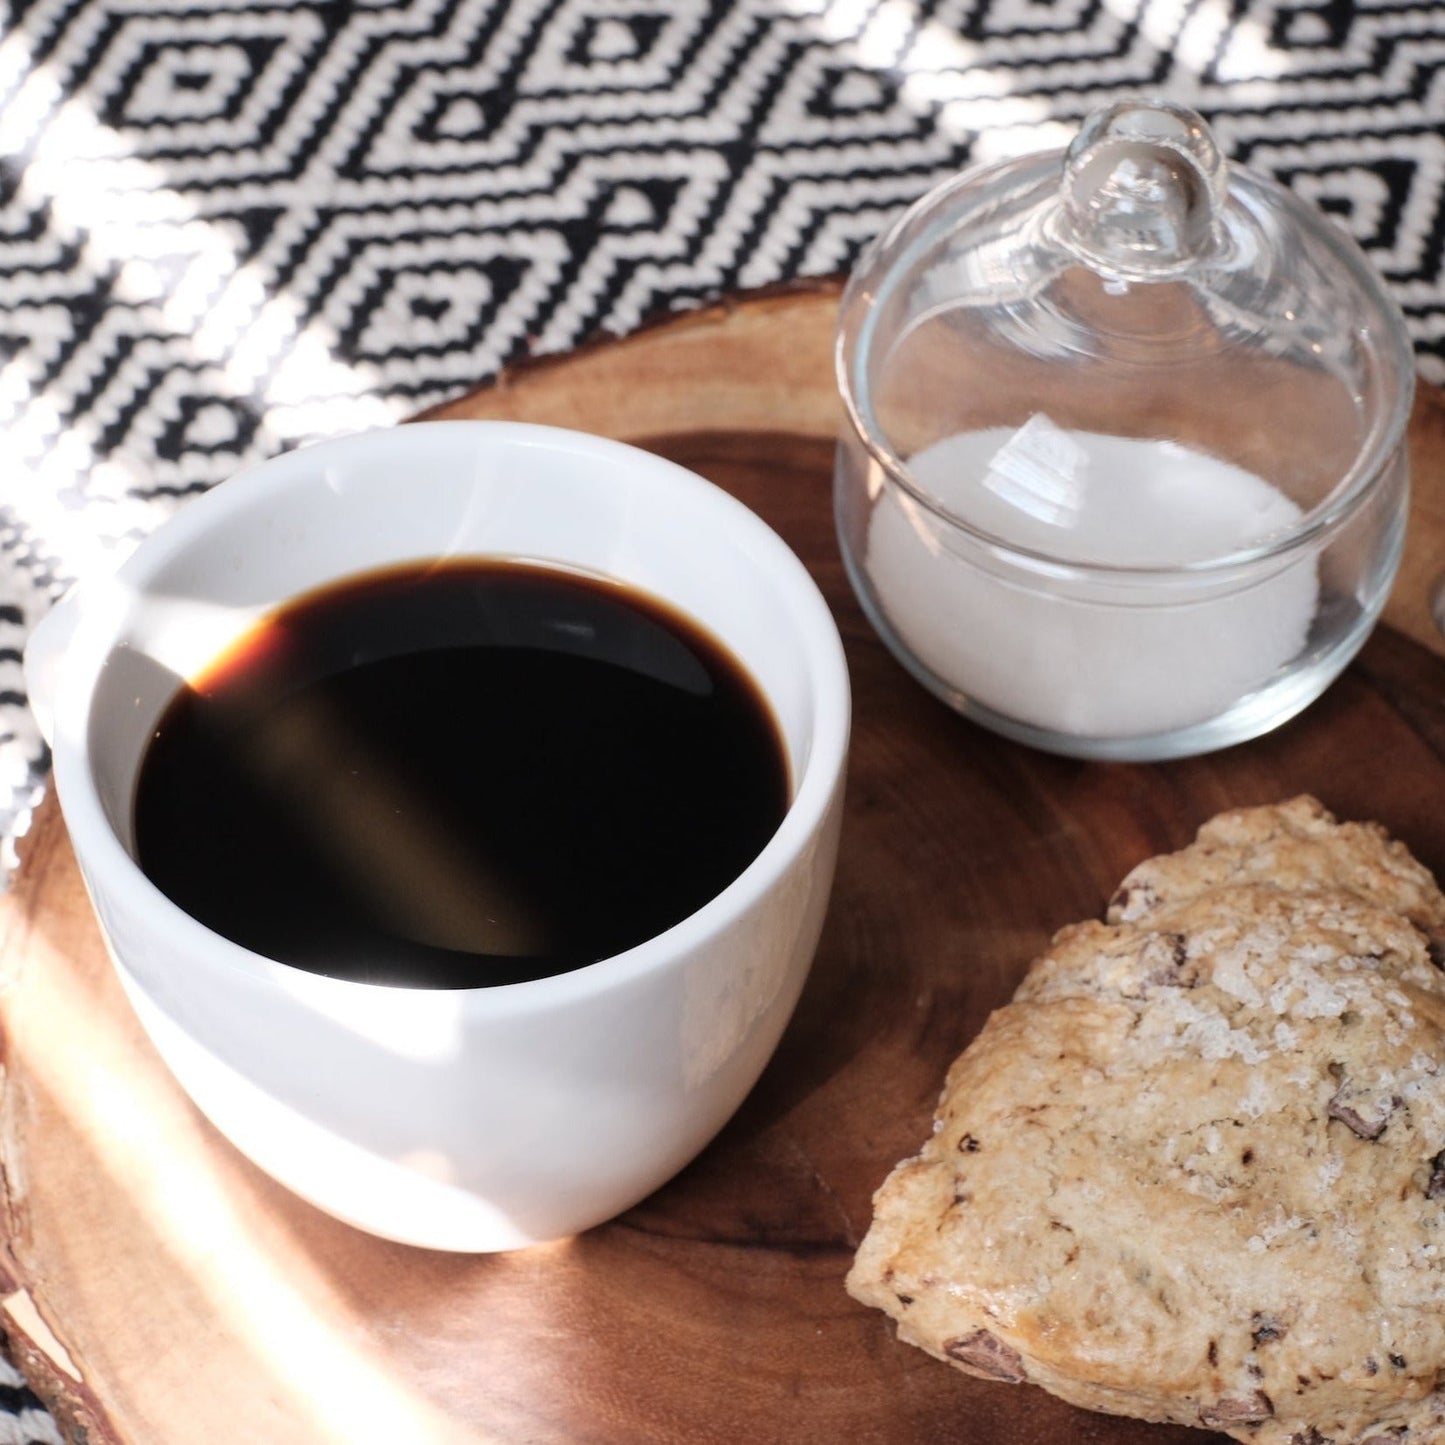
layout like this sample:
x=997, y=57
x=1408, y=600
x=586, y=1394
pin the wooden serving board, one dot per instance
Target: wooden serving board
x=160, y=1291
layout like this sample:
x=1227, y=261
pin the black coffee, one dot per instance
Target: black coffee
x=464, y=774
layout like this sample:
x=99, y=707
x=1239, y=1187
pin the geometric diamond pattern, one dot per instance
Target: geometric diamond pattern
x=232, y=227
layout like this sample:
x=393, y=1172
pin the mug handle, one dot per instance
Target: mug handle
x=45, y=650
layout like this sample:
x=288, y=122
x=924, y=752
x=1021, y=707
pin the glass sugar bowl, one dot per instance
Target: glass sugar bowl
x=1123, y=474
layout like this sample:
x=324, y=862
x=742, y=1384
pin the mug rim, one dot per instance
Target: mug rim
x=97, y=633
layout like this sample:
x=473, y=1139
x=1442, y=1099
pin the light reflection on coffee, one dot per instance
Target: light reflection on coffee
x=459, y=774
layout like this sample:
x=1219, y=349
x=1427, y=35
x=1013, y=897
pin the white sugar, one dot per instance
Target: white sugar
x=1197, y=1030
x=1259, y=1098
x=1281, y=1226
x=1231, y=977
x=1131, y=661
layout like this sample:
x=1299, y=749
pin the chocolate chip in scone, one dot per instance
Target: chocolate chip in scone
x=1164, y=961
x=1311, y=1437
x=1341, y=1107
x=1435, y=1189
x=1129, y=901
x=1265, y=1328
x=1370, y=1129
x=987, y=1354
x=1225, y=1414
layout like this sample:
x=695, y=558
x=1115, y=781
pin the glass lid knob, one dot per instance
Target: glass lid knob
x=1143, y=187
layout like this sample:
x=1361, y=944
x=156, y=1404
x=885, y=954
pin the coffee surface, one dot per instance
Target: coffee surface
x=460, y=774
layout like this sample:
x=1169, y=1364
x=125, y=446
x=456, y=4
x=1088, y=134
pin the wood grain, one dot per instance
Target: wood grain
x=160, y=1291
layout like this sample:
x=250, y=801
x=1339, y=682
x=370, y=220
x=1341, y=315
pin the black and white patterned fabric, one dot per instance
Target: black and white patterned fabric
x=229, y=227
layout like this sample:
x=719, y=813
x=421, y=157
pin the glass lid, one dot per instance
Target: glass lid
x=1132, y=307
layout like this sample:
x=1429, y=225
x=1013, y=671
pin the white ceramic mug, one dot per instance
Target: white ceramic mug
x=474, y=1119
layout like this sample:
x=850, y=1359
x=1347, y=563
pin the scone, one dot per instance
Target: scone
x=1195, y=1171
